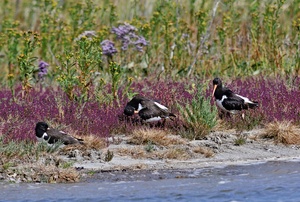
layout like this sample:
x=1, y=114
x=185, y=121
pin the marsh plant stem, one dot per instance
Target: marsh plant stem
x=205, y=37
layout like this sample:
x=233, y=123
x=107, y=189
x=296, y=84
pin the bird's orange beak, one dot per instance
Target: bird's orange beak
x=136, y=112
x=215, y=87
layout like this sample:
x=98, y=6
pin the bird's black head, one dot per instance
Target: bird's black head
x=129, y=110
x=217, y=82
x=133, y=105
x=41, y=128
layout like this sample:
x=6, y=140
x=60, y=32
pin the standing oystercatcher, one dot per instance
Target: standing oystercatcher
x=230, y=102
x=149, y=110
x=51, y=136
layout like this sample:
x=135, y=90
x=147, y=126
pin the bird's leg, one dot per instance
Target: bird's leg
x=157, y=124
x=163, y=123
x=223, y=115
x=243, y=116
x=142, y=122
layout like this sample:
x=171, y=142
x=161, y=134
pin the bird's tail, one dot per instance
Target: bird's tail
x=80, y=141
x=172, y=115
x=253, y=105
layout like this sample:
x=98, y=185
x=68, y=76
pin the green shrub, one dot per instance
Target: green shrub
x=199, y=116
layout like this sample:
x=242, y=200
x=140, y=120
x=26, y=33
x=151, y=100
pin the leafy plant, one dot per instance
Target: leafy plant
x=240, y=140
x=26, y=59
x=108, y=156
x=199, y=116
x=149, y=147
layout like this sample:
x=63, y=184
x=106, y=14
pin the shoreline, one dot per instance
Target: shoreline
x=170, y=156
x=255, y=150
x=169, y=173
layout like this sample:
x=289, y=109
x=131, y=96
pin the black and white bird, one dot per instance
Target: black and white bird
x=228, y=101
x=148, y=110
x=51, y=136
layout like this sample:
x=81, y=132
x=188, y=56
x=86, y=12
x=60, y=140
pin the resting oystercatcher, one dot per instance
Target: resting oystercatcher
x=149, y=110
x=230, y=102
x=51, y=136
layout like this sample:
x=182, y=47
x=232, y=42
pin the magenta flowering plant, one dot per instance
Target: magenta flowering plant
x=277, y=100
x=91, y=118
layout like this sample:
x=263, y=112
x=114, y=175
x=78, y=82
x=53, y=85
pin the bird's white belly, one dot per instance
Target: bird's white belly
x=41, y=139
x=158, y=118
x=140, y=107
x=219, y=104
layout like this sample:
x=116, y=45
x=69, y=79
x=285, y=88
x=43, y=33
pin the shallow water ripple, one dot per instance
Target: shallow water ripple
x=272, y=181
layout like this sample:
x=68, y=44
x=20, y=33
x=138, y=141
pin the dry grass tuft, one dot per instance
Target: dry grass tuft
x=155, y=136
x=176, y=153
x=90, y=142
x=221, y=125
x=283, y=132
x=40, y=173
x=53, y=174
x=171, y=153
x=93, y=142
x=205, y=151
x=135, y=152
x=48, y=168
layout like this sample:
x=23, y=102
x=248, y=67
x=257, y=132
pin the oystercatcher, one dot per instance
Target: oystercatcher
x=51, y=136
x=230, y=102
x=148, y=110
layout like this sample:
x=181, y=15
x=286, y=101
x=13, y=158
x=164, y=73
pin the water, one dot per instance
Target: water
x=271, y=181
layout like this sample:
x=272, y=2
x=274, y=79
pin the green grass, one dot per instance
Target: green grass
x=240, y=140
x=108, y=156
x=26, y=150
x=199, y=116
x=26, y=161
x=194, y=38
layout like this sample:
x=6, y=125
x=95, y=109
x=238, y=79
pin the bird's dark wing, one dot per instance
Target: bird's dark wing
x=56, y=135
x=228, y=92
x=155, y=106
x=233, y=103
x=135, y=101
x=153, y=109
x=147, y=113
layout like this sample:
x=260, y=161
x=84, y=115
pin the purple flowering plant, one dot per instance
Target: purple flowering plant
x=277, y=101
x=126, y=34
x=43, y=69
x=108, y=48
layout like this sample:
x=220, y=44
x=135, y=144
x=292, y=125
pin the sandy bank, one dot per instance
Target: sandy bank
x=220, y=146
x=150, y=156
